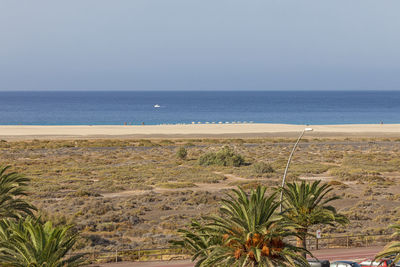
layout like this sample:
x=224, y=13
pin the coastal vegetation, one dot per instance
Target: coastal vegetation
x=224, y=157
x=12, y=187
x=181, y=153
x=262, y=167
x=248, y=231
x=25, y=240
x=392, y=249
x=29, y=242
x=306, y=204
x=135, y=193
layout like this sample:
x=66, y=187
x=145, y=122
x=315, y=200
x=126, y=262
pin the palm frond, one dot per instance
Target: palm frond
x=307, y=204
x=12, y=189
x=29, y=242
x=248, y=231
x=391, y=250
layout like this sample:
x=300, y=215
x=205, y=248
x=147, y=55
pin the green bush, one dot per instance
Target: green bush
x=262, y=167
x=224, y=157
x=182, y=153
x=207, y=159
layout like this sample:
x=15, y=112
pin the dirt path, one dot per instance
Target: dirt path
x=232, y=177
x=324, y=177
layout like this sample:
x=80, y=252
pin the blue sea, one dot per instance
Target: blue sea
x=117, y=108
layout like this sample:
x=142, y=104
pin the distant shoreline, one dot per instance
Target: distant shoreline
x=253, y=130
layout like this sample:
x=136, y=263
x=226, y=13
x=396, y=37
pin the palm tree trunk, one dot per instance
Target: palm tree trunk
x=301, y=240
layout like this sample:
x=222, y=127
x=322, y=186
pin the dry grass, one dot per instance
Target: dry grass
x=69, y=179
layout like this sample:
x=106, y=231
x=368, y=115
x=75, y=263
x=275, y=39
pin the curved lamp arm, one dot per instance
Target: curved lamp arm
x=288, y=163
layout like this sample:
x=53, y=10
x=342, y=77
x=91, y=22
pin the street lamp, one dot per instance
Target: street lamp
x=290, y=158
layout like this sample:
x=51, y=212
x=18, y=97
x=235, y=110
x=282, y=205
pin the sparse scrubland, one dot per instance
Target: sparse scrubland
x=131, y=194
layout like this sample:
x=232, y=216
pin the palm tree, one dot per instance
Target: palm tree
x=29, y=242
x=197, y=242
x=307, y=205
x=12, y=188
x=248, y=232
x=392, y=249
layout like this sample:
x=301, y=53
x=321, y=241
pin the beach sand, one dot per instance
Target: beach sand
x=195, y=130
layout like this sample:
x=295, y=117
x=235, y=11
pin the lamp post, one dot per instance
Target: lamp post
x=289, y=160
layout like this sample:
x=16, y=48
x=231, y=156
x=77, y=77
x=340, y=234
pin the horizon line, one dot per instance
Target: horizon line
x=221, y=90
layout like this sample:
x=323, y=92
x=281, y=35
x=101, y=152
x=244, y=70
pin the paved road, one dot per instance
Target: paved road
x=326, y=254
x=347, y=254
x=185, y=263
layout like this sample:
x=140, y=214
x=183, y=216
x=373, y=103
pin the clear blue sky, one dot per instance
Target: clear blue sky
x=199, y=45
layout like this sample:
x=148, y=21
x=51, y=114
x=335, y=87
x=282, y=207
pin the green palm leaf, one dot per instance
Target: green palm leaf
x=12, y=188
x=246, y=232
x=393, y=249
x=29, y=242
x=307, y=205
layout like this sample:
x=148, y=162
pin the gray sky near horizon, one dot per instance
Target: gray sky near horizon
x=199, y=45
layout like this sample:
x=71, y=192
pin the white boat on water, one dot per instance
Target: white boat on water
x=157, y=106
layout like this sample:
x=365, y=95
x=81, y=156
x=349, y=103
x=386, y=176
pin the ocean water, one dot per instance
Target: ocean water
x=107, y=108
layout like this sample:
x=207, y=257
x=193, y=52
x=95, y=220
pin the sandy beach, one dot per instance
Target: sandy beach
x=195, y=130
